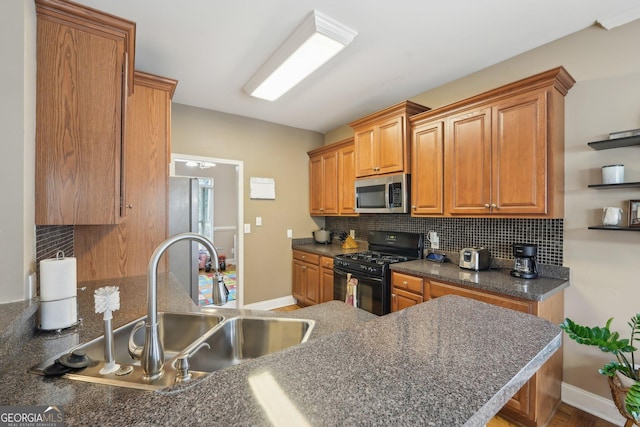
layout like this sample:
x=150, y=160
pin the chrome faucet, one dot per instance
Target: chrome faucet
x=152, y=353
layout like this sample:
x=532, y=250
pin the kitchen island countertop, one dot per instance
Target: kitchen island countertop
x=450, y=361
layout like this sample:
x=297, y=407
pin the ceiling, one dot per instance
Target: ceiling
x=403, y=48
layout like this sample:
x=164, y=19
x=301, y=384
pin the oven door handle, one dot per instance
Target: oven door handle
x=358, y=276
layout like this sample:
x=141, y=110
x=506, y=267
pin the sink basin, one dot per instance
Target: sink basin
x=242, y=338
x=231, y=342
x=177, y=332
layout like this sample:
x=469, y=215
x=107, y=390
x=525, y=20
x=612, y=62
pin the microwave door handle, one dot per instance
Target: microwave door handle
x=388, y=194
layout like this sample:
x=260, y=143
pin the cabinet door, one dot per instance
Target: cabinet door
x=330, y=182
x=79, y=98
x=298, y=290
x=312, y=283
x=346, y=181
x=366, y=152
x=391, y=146
x=316, y=185
x=519, y=155
x=401, y=299
x=125, y=250
x=427, y=173
x=468, y=163
x=323, y=184
x=326, y=285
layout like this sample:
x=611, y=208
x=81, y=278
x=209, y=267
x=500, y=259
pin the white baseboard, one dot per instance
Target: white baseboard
x=592, y=403
x=271, y=304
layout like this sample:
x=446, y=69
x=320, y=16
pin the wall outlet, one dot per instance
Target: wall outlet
x=258, y=220
x=289, y=233
x=247, y=228
x=352, y=233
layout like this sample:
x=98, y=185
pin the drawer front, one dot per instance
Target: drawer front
x=440, y=289
x=326, y=262
x=306, y=257
x=406, y=282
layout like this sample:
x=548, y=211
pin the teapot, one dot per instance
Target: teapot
x=611, y=215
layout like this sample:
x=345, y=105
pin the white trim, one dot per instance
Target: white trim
x=272, y=303
x=225, y=228
x=592, y=403
x=239, y=255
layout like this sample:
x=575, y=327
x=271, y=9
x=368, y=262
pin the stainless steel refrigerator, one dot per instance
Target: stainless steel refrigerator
x=183, y=217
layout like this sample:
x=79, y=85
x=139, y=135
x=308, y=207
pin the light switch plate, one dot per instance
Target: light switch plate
x=247, y=228
x=258, y=220
x=289, y=233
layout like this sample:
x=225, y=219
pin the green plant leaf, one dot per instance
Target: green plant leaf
x=603, y=338
x=632, y=401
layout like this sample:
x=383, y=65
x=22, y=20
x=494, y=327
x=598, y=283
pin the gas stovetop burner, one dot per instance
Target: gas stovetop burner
x=376, y=257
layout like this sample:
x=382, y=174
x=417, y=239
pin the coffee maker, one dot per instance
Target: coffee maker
x=525, y=261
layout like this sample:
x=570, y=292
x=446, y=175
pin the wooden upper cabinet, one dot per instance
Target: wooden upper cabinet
x=468, y=162
x=519, y=154
x=346, y=179
x=427, y=154
x=382, y=140
x=84, y=75
x=503, y=150
x=123, y=250
x=331, y=179
x=323, y=179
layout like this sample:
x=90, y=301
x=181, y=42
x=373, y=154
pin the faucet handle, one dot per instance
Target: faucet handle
x=135, y=350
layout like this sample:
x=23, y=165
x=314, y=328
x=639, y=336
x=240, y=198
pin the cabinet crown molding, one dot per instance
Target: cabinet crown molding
x=408, y=107
x=559, y=78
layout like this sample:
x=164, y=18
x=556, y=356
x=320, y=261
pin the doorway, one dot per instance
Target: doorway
x=222, y=214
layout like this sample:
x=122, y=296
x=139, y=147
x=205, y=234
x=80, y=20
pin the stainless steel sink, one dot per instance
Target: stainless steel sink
x=230, y=342
x=177, y=332
x=242, y=338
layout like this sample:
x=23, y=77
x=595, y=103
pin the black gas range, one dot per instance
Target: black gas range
x=370, y=269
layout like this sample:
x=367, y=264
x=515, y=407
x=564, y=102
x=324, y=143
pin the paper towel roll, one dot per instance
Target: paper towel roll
x=58, y=314
x=58, y=279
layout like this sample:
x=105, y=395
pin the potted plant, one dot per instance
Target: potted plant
x=622, y=349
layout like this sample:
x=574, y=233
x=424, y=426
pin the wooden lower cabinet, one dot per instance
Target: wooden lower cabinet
x=306, y=277
x=406, y=291
x=537, y=400
x=326, y=279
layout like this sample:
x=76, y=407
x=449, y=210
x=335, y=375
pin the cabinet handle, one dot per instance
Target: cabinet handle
x=129, y=206
x=304, y=256
x=413, y=207
x=304, y=268
x=404, y=282
x=486, y=205
x=494, y=206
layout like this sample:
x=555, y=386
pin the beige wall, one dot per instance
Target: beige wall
x=17, y=120
x=606, y=98
x=267, y=150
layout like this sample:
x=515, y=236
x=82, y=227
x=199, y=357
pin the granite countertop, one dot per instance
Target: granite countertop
x=495, y=280
x=414, y=367
x=326, y=250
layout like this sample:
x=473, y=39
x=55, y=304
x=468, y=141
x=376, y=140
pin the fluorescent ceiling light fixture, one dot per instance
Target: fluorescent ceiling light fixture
x=312, y=44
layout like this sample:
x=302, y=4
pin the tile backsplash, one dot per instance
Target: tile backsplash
x=496, y=234
x=53, y=238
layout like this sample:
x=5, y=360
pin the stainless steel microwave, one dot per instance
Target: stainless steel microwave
x=383, y=194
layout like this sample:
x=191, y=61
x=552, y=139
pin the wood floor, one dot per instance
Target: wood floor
x=565, y=416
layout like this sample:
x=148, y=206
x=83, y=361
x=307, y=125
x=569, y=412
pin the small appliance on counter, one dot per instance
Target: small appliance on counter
x=475, y=258
x=525, y=261
x=323, y=236
x=58, y=293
